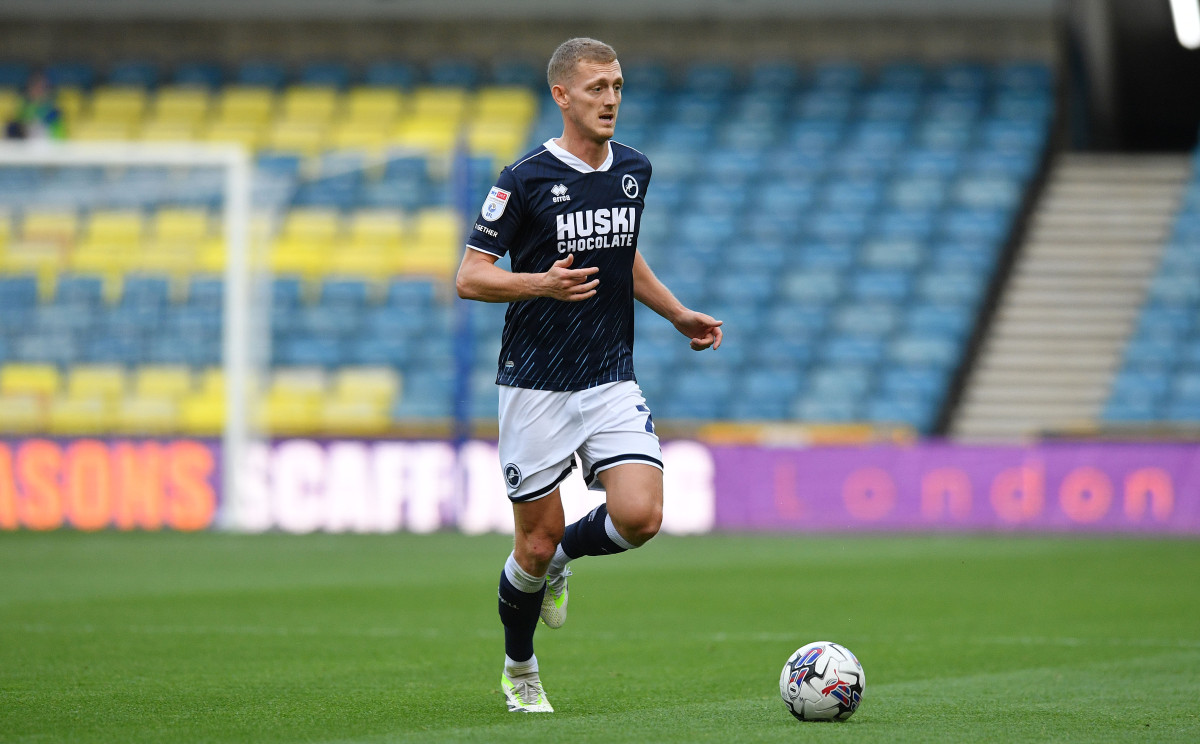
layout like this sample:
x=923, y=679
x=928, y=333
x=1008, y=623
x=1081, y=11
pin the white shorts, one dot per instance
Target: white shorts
x=541, y=431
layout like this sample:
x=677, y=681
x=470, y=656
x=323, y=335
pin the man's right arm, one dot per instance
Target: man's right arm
x=479, y=278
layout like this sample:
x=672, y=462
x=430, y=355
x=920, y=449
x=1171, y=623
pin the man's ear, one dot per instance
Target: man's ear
x=560, y=95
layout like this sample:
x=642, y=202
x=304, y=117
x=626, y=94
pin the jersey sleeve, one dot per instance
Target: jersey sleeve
x=499, y=218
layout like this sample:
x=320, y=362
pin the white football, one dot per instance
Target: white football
x=822, y=681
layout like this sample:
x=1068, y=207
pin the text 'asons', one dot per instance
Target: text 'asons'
x=590, y=229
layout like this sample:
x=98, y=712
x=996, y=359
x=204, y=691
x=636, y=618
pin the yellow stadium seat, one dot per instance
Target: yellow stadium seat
x=117, y=103
x=210, y=258
x=312, y=223
x=376, y=224
x=434, y=135
x=303, y=137
x=367, y=259
x=502, y=143
x=80, y=416
x=245, y=104
x=96, y=381
x=172, y=257
x=301, y=257
x=339, y=417
x=169, y=131
x=103, y=257
x=439, y=101
x=359, y=135
x=437, y=224
x=511, y=102
x=46, y=260
x=185, y=104
x=95, y=130
x=368, y=104
x=10, y=99
x=212, y=382
x=374, y=384
x=181, y=224
x=29, y=379
x=70, y=102
x=288, y=412
x=438, y=260
x=300, y=380
x=162, y=381
x=202, y=414
x=248, y=134
x=114, y=226
x=50, y=225
x=22, y=414
x=309, y=103
x=147, y=415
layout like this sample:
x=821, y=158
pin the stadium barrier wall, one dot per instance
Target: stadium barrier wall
x=301, y=485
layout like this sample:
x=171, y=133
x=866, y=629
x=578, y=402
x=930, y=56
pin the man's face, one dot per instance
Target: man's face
x=593, y=96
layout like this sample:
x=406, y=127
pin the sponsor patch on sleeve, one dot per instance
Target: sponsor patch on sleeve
x=494, y=204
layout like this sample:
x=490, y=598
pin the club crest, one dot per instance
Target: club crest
x=629, y=185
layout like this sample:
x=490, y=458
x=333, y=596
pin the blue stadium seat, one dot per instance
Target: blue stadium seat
x=892, y=253
x=1150, y=354
x=309, y=352
x=917, y=223
x=811, y=287
x=824, y=409
x=881, y=285
x=200, y=74
x=135, y=73
x=458, y=73
x=950, y=287
x=833, y=76
x=207, y=292
x=265, y=73
x=17, y=292
x=145, y=291
x=871, y=321
x=902, y=411
x=1183, y=410
x=917, y=192
x=328, y=74
x=925, y=319
x=852, y=350
x=841, y=380
x=796, y=321
x=79, y=289
x=391, y=74
x=80, y=75
x=934, y=351
x=425, y=394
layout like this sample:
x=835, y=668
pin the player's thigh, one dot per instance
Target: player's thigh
x=634, y=497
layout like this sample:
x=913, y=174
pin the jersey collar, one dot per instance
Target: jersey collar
x=575, y=162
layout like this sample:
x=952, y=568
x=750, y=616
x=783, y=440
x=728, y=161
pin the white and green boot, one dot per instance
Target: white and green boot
x=554, y=603
x=524, y=693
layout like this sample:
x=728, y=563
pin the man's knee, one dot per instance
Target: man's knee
x=642, y=524
x=535, y=549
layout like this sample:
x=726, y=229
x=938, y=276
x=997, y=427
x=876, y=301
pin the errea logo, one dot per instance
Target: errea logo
x=560, y=194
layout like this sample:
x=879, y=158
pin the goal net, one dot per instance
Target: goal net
x=127, y=321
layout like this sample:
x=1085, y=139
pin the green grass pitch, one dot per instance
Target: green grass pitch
x=225, y=638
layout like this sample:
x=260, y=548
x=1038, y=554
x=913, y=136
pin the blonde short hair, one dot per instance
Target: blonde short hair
x=573, y=51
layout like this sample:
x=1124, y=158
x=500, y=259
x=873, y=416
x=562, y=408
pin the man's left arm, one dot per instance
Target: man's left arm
x=703, y=330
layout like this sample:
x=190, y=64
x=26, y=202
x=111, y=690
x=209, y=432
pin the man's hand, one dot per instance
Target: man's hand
x=703, y=330
x=562, y=282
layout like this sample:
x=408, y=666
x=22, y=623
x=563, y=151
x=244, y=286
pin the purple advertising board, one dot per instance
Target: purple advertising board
x=1137, y=488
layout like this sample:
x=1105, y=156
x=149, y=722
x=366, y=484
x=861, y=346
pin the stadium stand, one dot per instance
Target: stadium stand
x=844, y=221
x=1159, y=377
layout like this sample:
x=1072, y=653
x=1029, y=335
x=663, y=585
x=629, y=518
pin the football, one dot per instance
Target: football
x=822, y=681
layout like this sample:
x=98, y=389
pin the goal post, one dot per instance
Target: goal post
x=238, y=355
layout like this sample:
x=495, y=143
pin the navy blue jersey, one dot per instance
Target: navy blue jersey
x=545, y=206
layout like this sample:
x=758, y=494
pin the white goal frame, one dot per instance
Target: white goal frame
x=235, y=219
